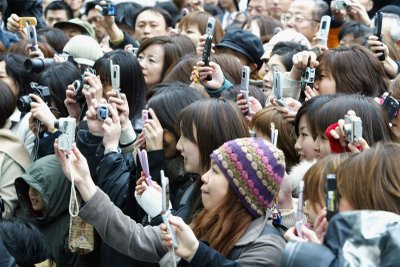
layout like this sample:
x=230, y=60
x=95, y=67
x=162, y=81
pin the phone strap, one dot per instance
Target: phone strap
x=73, y=200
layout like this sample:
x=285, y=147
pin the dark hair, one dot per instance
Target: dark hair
x=171, y=9
x=254, y=91
x=16, y=70
x=375, y=123
x=320, y=9
x=165, y=14
x=358, y=30
x=355, y=70
x=216, y=121
x=3, y=6
x=266, y=25
x=54, y=37
x=181, y=70
x=125, y=12
x=172, y=52
x=59, y=5
x=8, y=102
x=168, y=99
x=57, y=77
x=90, y=5
x=20, y=48
x=24, y=242
x=184, y=42
x=286, y=50
x=131, y=78
x=309, y=109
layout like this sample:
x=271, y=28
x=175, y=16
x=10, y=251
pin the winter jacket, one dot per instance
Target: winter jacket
x=46, y=176
x=14, y=160
x=6, y=260
x=144, y=243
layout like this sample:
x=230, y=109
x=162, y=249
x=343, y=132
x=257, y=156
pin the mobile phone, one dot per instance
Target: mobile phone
x=391, y=106
x=300, y=213
x=352, y=128
x=377, y=30
x=208, y=45
x=133, y=50
x=165, y=211
x=102, y=112
x=108, y=9
x=244, y=86
x=324, y=30
x=32, y=37
x=331, y=196
x=67, y=128
x=307, y=77
x=277, y=89
x=115, y=77
x=27, y=21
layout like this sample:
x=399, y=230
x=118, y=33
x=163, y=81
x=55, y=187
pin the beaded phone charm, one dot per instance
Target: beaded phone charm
x=142, y=154
x=196, y=74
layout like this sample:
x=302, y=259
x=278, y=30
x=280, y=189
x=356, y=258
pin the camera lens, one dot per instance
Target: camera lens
x=78, y=86
x=24, y=103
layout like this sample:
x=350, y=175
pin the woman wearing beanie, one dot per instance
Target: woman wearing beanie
x=237, y=194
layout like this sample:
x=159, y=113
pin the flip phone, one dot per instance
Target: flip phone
x=324, y=30
x=331, y=196
x=32, y=37
x=115, y=78
x=278, y=92
x=377, y=30
x=165, y=211
x=244, y=86
x=208, y=45
x=300, y=213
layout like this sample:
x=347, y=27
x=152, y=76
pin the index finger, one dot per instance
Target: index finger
x=154, y=117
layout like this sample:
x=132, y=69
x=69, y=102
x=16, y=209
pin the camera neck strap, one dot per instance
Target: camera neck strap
x=73, y=200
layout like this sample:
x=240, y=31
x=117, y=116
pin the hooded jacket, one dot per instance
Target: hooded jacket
x=46, y=176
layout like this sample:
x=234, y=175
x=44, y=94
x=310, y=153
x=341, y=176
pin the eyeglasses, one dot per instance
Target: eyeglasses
x=287, y=17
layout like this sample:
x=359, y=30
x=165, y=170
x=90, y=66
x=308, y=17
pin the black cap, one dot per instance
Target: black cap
x=245, y=43
x=392, y=9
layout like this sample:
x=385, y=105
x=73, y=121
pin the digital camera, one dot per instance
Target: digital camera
x=24, y=102
x=340, y=5
x=307, y=78
x=79, y=83
x=108, y=10
x=37, y=65
x=352, y=128
x=391, y=106
x=102, y=112
x=67, y=128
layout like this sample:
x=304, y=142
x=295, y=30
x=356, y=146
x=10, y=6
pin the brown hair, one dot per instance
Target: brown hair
x=216, y=121
x=315, y=177
x=375, y=123
x=355, y=70
x=371, y=179
x=20, y=47
x=221, y=226
x=395, y=87
x=8, y=102
x=200, y=18
x=261, y=122
x=172, y=52
x=266, y=25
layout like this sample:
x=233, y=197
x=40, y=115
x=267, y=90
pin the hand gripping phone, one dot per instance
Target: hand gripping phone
x=377, y=30
x=67, y=128
x=278, y=92
x=352, y=128
x=244, y=86
x=300, y=213
x=108, y=9
x=115, y=77
x=208, y=45
x=324, y=30
x=331, y=196
x=391, y=106
x=307, y=78
x=32, y=37
x=165, y=211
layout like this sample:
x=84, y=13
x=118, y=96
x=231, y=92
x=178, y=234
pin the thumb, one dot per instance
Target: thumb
x=177, y=222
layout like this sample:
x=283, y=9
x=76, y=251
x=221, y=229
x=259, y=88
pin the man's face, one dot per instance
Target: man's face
x=257, y=7
x=71, y=31
x=299, y=18
x=277, y=7
x=54, y=16
x=98, y=29
x=150, y=24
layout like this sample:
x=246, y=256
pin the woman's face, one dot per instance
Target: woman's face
x=36, y=199
x=214, y=188
x=192, y=31
x=322, y=146
x=324, y=83
x=7, y=79
x=310, y=212
x=305, y=142
x=274, y=63
x=169, y=144
x=152, y=62
x=190, y=153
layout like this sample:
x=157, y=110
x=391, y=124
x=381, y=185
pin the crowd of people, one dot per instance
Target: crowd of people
x=199, y=133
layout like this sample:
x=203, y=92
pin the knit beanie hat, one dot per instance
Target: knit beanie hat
x=254, y=169
x=84, y=49
x=83, y=26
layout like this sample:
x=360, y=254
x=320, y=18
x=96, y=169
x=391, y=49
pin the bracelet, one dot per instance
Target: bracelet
x=119, y=40
x=112, y=150
x=225, y=86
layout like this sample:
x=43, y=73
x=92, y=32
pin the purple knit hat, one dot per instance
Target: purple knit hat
x=254, y=169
